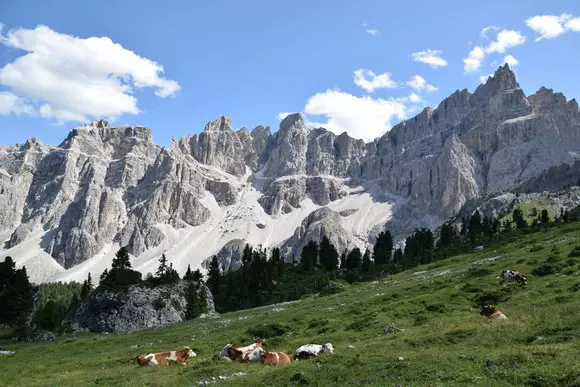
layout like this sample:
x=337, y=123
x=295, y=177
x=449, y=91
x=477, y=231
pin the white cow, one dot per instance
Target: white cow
x=308, y=351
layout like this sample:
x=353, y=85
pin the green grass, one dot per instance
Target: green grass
x=444, y=340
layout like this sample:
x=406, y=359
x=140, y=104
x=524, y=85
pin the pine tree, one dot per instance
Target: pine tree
x=354, y=259
x=188, y=274
x=309, y=256
x=474, y=226
x=545, y=217
x=162, y=269
x=383, y=248
x=193, y=307
x=202, y=299
x=214, y=276
x=103, y=276
x=398, y=257
x=343, y=260
x=197, y=276
x=121, y=260
x=18, y=299
x=367, y=263
x=7, y=269
x=518, y=218
x=446, y=239
x=328, y=255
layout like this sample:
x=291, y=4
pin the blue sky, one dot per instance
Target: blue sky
x=254, y=60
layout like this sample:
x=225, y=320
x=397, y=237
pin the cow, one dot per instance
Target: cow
x=308, y=351
x=513, y=275
x=492, y=313
x=241, y=354
x=274, y=358
x=158, y=358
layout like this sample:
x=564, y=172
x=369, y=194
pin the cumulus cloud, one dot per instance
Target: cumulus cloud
x=511, y=61
x=418, y=83
x=487, y=29
x=68, y=78
x=9, y=103
x=573, y=24
x=474, y=59
x=430, y=57
x=370, y=30
x=362, y=117
x=548, y=26
x=369, y=81
x=505, y=39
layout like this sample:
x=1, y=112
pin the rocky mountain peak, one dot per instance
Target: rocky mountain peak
x=222, y=124
x=295, y=120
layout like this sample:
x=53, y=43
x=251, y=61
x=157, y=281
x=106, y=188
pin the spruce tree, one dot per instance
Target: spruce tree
x=192, y=309
x=18, y=300
x=121, y=260
x=398, y=257
x=202, y=299
x=354, y=259
x=197, y=276
x=545, y=217
x=7, y=269
x=383, y=248
x=328, y=255
x=518, y=218
x=214, y=276
x=103, y=276
x=188, y=274
x=367, y=263
x=162, y=269
x=446, y=238
x=309, y=256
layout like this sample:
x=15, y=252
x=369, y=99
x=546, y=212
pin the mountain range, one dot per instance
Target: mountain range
x=66, y=209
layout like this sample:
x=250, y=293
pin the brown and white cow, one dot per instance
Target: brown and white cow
x=513, y=275
x=274, y=358
x=492, y=313
x=241, y=354
x=158, y=358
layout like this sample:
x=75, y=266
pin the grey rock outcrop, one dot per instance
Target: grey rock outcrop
x=135, y=308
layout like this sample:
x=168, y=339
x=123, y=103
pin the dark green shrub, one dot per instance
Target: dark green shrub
x=268, y=330
x=545, y=269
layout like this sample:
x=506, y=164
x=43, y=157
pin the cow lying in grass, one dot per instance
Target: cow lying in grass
x=274, y=358
x=158, y=358
x=241, y=354
x=308, y=351
x=492, y=313
x=512, y=275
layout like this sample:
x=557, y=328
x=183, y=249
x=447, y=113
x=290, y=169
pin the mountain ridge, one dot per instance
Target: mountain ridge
x=104, y=186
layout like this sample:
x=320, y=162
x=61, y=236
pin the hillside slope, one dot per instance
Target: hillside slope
x=444, y=340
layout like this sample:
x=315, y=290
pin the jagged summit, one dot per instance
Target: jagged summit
x=222, y=124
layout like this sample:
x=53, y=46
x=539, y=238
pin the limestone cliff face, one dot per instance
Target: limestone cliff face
x=111, y=185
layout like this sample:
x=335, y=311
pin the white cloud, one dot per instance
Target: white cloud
x=9, y=103
x=362, y=117
x=573, y=24
x=511, y=61
x=488, y=28
x=505, y=39
x=283, y=115
x=548, y=26
x=370, y=30
x=418, y=83
x=369, y=81
x=430, y=57
x=484, y=78
x=474, y=59
x=70, y=78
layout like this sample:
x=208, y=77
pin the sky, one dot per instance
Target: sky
x=356, y=66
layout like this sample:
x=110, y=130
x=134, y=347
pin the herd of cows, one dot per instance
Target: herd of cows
x=255, y=353
x=250, y=353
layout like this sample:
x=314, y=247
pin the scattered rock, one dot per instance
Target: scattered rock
x=40, y=336
x=391, y=328
x=7, y=353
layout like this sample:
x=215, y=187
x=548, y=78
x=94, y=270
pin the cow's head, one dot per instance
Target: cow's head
x=487, y=310
x=328, y=348
x=224, y=351
x=234, y=353
x=189, y=352
x=141, y=360
x=259, y=343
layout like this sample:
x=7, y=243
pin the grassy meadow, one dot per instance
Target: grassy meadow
x=444, y=340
